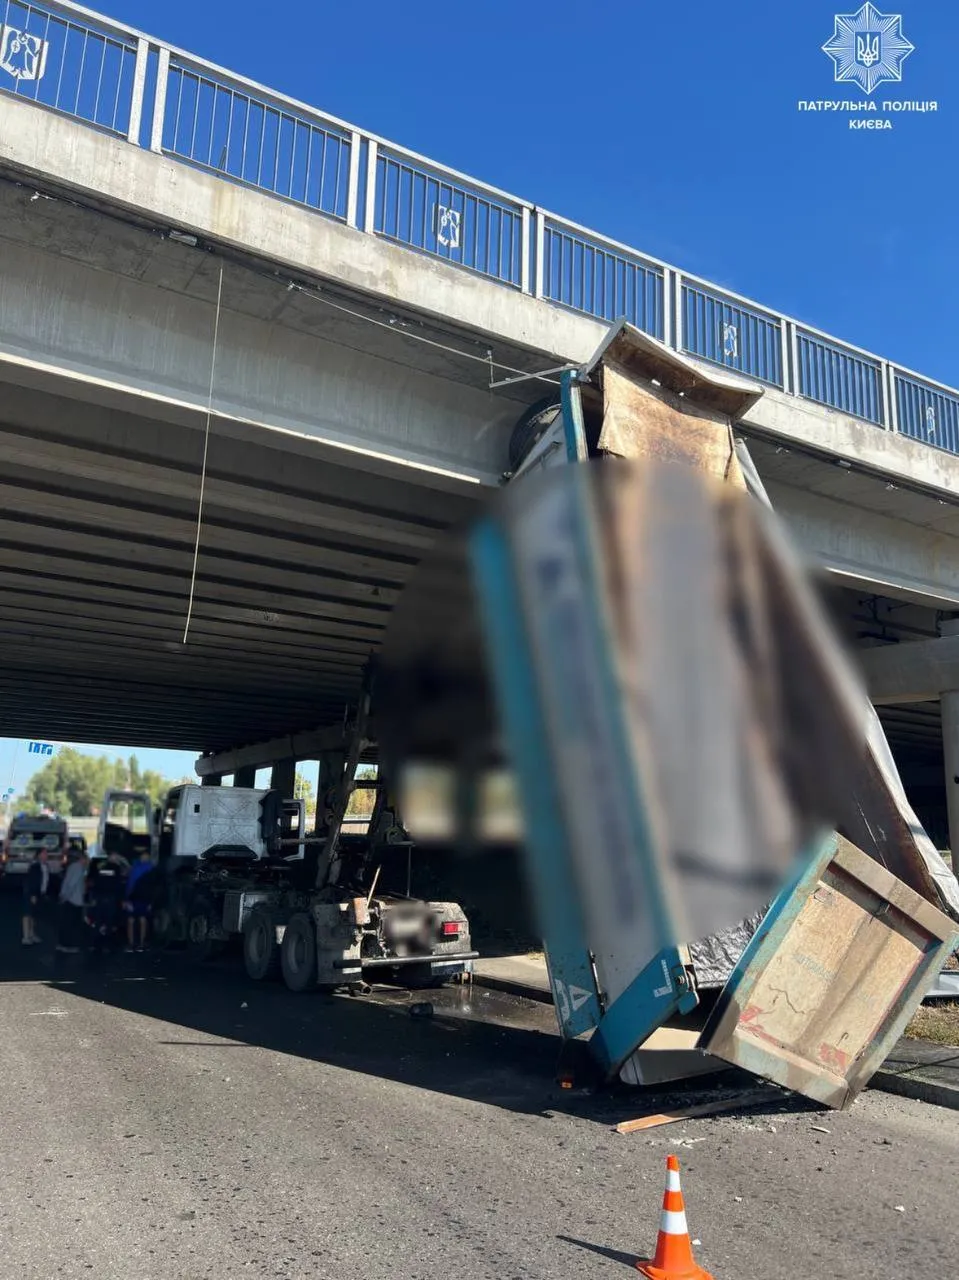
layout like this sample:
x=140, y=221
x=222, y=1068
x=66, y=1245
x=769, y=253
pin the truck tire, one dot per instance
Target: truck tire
x=537, y=419
x=261, y=951
x=166, y=926
x=298, y=953
x=199, y=942
x=161, y=924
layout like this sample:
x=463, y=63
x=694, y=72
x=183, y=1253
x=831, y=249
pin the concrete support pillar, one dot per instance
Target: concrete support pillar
x=212, y=780
x=245, y=777
x=331, y=771
x=283, y=777
x=949, y=710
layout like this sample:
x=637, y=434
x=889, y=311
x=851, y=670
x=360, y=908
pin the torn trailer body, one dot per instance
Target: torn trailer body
x=689, y=738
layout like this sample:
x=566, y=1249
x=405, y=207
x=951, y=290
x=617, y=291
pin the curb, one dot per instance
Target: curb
x=511, y=988
x=914, y=1086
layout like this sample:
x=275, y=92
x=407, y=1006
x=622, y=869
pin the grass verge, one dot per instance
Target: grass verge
x=936, y=1022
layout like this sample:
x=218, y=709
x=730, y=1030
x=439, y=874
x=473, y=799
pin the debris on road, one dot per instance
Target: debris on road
x=752, y=1098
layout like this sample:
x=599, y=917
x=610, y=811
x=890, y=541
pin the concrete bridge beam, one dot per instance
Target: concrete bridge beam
x=918, y=672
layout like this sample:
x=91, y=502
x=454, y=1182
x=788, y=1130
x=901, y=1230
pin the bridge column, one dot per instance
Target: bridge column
x=332, y=764
x=245, y=777
x=949, y=711
x=212, y=780
x=283, y=777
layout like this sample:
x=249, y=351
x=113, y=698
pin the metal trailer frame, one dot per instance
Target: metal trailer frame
x=902, y=924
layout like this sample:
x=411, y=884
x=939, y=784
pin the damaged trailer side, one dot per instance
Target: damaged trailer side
x=646, y=628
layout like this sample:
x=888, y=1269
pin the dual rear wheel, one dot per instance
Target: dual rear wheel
x=261, y=951
x=294, y=958
x=298, y=953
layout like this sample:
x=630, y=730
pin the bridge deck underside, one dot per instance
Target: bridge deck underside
x=300, y=562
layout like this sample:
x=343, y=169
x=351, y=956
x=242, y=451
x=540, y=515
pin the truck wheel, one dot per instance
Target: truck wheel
x=201, y=945
x=161, y=925
x=298, y=953
x=261, y=952
x=537, y=419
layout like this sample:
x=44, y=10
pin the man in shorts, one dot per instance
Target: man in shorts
x=139, y=901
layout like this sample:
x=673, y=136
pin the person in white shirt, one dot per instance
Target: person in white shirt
x=71, y=904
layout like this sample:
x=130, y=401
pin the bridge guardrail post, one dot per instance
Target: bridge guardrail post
x=353, y=182
x=539, y=223
x=669, y=298
x=526, y=281
x=890, y=416
x=159, y=101
x=369, y=214
x=794, y=358
x=678, y=310
x=785, y=356
x=139, y=90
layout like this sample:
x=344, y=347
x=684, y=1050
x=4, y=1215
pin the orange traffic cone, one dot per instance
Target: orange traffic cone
x=674, y=1252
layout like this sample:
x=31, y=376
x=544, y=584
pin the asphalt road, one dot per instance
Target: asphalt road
x=165, y=1123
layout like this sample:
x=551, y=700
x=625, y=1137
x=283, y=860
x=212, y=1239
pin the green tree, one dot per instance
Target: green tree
x=303, y=790
x=360, y=804
x=73, y=784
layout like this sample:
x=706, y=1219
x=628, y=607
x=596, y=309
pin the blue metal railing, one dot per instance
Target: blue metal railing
x=68, y=59
x=927, y=412
x=427, y=209
x=839, y=377
x=728, y=332
x=72, y=65
x=248, y=137
x=589, y=275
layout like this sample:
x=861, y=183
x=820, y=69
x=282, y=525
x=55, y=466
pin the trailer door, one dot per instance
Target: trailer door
x=826, y=986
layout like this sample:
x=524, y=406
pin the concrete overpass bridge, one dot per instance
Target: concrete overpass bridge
x=254, y=361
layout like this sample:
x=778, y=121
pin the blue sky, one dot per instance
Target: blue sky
x=17, y=766
x=673, y=128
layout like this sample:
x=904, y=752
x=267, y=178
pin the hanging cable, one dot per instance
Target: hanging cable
x=486, y=359
x=206, y=450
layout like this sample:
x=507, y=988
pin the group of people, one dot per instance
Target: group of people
x=94, y=900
